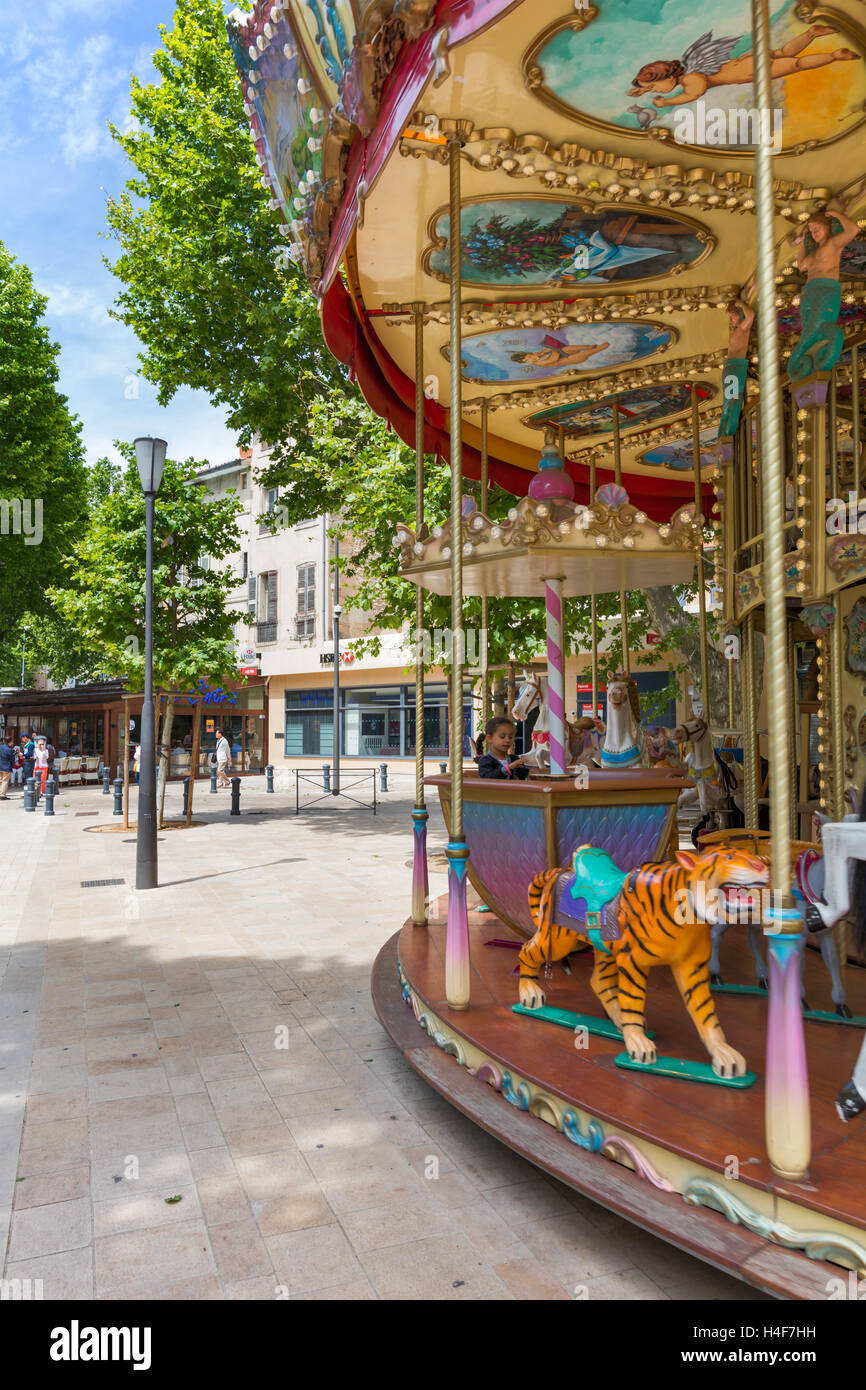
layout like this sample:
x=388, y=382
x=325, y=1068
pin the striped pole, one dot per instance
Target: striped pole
x=555, y=674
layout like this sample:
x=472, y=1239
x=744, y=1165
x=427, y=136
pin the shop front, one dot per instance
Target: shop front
x=376, y=721
x=80, y=721
x=239, y=710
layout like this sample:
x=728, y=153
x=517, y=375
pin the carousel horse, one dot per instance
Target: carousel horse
x=808, y=882
x=625, y=743
x=662, y=750
x=534, y=692
x=844, y=844
x=659, y=914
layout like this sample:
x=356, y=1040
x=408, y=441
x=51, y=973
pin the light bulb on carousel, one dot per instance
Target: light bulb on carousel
x=551, y=483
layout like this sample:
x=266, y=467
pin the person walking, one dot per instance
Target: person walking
x=29, y=750
x=41, y=764
x=224, y=759
x=17, y=765
x=7, y=760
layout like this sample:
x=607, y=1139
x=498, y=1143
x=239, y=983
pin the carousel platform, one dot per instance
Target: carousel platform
x=684, y=1160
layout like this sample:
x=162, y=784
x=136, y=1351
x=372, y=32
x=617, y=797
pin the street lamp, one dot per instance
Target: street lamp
x=150, y=457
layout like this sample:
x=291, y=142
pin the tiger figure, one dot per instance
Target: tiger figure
x=661, y=915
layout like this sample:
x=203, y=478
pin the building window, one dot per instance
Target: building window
x=244, y=482
x=251, y=596
x=305, y=621
x=375, y=722
x=266, y=625
x=272, y=497
x=244, y=564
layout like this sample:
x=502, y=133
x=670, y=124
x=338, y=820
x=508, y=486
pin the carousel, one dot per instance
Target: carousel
x=617, y=271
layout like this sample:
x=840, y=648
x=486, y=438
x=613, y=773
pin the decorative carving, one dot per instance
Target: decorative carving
x=591, y=1141
x=855, y=646
x=601, y=386
x=846, y=555
x=850, y=741
x=642, y=1166
x=818, y=1245
x=519, y=1097
x=818, y=617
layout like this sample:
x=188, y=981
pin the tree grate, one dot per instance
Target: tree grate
x=87, y=813
x=100, y=882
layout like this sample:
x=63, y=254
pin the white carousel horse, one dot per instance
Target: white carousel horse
x=625, y=743
x=701, y=764
x=534, y=692
x=844, y=844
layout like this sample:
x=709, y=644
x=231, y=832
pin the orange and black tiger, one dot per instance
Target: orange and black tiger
x=664, y=915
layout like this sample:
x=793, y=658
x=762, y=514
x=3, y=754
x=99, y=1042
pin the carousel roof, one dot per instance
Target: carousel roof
x=604, y=222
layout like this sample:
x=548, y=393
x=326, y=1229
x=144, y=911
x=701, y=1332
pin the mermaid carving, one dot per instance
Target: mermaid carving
x=741, y=318
x=821, y=245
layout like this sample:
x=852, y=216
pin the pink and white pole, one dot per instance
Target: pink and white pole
x=555, y=674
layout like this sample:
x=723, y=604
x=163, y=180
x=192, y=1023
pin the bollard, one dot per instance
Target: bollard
x=443, y=768
x=118, y=797
x=213, y=773
x=269, y=774
x=383, y=777
x=30, y=794
x=106, y=781
x=326, y=777
x=185, y=794
x=236, y=797
x=49, y=798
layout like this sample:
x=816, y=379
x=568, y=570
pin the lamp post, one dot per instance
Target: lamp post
x=335, y=776
x=150, y=457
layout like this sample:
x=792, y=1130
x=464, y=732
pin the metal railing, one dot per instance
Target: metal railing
x=266, y=632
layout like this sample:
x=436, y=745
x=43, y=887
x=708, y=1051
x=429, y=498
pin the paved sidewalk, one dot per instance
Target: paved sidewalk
x=156, y=1143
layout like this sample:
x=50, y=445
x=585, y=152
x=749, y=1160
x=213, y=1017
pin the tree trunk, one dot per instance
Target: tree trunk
x=164, y=756
x=668, y=617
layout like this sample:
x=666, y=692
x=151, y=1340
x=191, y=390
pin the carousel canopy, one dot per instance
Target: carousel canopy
x=607, y=206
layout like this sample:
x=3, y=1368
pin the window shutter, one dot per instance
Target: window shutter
x=251, y=594
x=272, y=596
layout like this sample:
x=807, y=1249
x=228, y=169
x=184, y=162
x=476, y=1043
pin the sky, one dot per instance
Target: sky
x=67, y=67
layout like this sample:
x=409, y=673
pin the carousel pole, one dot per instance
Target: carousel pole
x=594, y=608
x=787, y=1084
x=750, y=725
x=623, y=606
x=485, y=676
x=555, y=675
x=702, y=594
x=457, y=987
x=420, y=882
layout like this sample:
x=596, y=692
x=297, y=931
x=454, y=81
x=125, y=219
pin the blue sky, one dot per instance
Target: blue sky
x=66, y=67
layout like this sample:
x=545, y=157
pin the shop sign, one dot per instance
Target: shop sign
x=249, y=670
x=209, y=696
x=327, y=658
x=248, y=655
x=209, y=725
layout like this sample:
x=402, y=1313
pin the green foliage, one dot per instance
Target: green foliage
x=207, y=285
x=103, y=599
x=211, y=295
x=41, y=466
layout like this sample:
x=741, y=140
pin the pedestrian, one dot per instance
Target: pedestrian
x=223, y=759
x=136, y=762
x=7, y=759
x=41, y=761
x=29, y=751
x=17, y=764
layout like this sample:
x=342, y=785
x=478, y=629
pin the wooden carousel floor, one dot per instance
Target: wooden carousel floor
x=703, y=1124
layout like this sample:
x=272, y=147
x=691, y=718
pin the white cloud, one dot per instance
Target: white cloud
x=66, y=302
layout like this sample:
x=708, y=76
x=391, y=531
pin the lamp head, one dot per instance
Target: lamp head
x=150, y=457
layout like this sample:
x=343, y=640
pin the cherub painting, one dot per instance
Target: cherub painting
x=708, y=63
x=534, y=354
x=641, y=406
x=688, y=72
